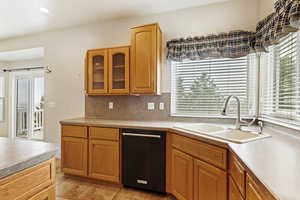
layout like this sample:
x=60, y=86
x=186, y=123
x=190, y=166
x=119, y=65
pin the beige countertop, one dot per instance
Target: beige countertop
x=275, y=161
x=20, y=154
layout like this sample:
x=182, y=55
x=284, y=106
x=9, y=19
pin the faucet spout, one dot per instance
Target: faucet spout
x=238, y=120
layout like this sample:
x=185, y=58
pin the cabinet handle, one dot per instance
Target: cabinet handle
x=141, y=135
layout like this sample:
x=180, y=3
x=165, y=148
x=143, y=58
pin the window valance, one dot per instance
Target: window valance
x=283, y=21
x=225, y=45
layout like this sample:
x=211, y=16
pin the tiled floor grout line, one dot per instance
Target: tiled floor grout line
x=114, y=197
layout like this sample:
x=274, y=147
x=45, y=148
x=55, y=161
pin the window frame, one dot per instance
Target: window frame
x=280, y=117
x=173, y=92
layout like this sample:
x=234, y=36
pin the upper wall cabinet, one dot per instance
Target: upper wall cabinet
x=145, y=68
x=107, y=71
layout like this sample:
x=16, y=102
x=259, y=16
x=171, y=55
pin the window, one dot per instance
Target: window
x=280, y=94
x=2, y=97
x=199, y=88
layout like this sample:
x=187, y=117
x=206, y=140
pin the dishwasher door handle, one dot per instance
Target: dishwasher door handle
x=141, y=135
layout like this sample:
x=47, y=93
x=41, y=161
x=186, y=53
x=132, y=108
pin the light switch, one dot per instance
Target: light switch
x=111, y=105
x=161, y=106
x=151, y=106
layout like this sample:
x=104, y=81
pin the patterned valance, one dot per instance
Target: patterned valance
x=225, y=45
x=283, y=21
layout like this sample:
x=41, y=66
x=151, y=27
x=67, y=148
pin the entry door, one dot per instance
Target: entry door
x=29, y=109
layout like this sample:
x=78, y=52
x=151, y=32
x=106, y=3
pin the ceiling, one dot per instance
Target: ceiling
x=25, y=17
x=21, y=55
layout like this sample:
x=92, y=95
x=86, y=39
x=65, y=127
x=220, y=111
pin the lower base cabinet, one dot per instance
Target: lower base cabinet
x=234, y=193
x=182, y=175
x=210, y=183
x=74, y=155
x=104, y=160
x=35, y=183
x=192, y=179
x=47, y=194
x=252, y=190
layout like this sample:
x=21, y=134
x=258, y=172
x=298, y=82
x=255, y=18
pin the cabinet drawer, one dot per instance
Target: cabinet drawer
x=47, y=194
x=104, y=133
x=74, y=131
x=214, y=155
x=238, y=174
x=29, y=182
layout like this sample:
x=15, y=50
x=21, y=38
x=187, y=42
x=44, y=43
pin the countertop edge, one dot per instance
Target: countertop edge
x=5, y=172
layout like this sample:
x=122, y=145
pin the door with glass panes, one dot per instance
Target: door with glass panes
x=29, y=106
x=97, y=69
x=119, y=70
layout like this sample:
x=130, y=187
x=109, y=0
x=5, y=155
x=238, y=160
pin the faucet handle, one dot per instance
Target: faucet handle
x=261, y=126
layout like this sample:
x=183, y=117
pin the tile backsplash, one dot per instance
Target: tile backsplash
x=128, y=107
x=136, y=108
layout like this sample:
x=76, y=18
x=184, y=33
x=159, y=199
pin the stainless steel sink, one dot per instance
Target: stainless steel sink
x=232, y=135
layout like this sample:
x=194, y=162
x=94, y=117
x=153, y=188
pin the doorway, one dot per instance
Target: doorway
x=29, y=105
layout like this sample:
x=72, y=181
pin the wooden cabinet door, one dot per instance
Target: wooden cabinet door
x=104, y=160
x=143, y=67
x=210, y=183
x=118, y=70
x=97, y=72
x=74, y=155
x=47, y=194
x=252, y=190
x=234, y=193
x=182, y=175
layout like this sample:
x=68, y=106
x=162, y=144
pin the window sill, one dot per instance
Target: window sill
x=208, y=116
x=280, y=123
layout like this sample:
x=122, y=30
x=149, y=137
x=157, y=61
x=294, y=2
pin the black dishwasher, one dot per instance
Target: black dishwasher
x=143, y=159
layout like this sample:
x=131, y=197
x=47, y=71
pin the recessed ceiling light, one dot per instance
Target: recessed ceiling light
x=44, y=10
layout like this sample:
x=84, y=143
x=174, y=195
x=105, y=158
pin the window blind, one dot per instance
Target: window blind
x=280, y=94
x=199, y=88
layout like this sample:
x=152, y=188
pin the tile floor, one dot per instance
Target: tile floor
x=75, y=188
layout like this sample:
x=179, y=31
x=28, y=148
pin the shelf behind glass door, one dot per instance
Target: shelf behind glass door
x=118, y=71
x=98, y=72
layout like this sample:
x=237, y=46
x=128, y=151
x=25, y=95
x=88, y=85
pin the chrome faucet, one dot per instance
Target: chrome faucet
x=239, y=122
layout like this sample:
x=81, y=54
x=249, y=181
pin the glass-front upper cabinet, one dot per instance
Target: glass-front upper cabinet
x=119, y=70
x=97, y=72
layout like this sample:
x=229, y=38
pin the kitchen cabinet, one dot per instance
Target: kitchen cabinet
x=237, y=173
x=252, y=190
x=182, y=175
x=194, y=175
x=47, y=194
x=91, y=152
x=107, y=71
x=145, y=67
x=34, y=183
x=97, y=71
x=210, y=183
x=234, y=193
x=118, y=70
x=104, y=160
x=74, y=155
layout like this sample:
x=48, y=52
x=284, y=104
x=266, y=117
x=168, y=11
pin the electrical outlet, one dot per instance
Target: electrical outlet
x=151, y=106
x=111, y=105
x=161, y=106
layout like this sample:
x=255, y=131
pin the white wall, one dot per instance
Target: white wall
x=65, y=49
x=266, y=7
x=4, y=124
